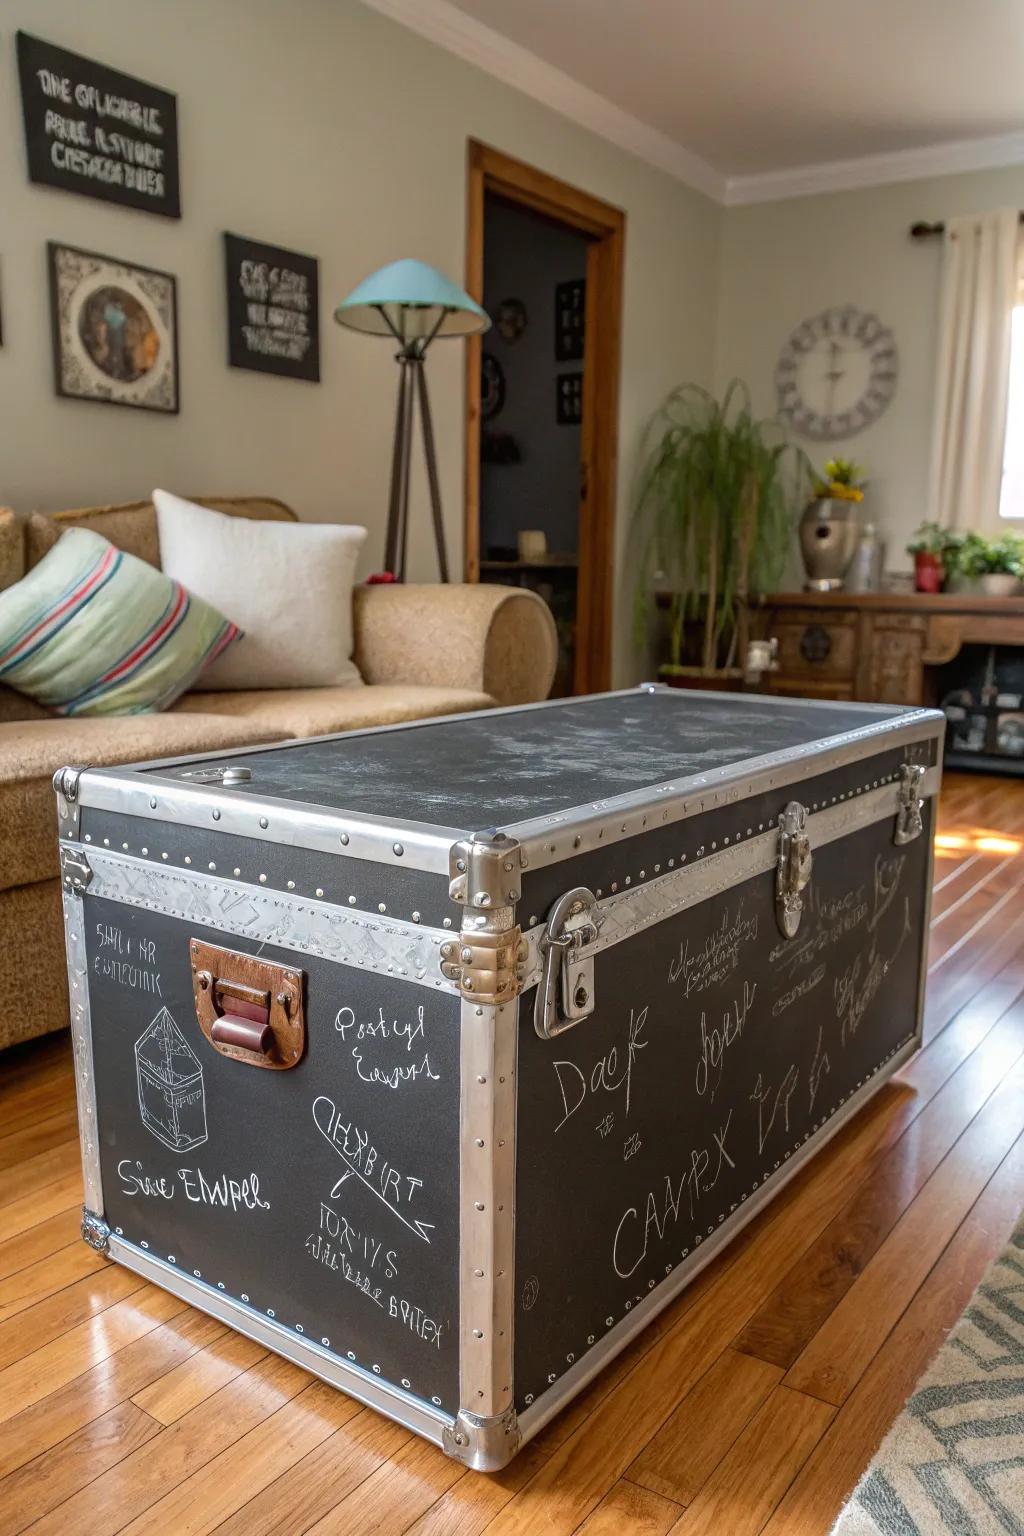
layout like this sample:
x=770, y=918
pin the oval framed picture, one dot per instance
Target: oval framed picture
x=115, y=331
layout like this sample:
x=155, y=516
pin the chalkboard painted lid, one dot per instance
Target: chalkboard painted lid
x=404, y=794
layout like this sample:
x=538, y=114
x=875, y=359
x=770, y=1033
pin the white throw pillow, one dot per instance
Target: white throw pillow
x=288, y=586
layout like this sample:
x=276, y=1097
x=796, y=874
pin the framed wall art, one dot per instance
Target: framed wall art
x=92, y=130
x=570, y=320
x=273, y=309
x=115, y=331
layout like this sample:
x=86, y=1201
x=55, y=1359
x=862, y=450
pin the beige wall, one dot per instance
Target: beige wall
x=318, y=125
x=783, y=262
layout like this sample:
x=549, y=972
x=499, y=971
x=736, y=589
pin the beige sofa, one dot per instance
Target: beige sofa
x=422, y=650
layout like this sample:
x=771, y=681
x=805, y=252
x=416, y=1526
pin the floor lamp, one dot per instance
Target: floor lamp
x=413, y=304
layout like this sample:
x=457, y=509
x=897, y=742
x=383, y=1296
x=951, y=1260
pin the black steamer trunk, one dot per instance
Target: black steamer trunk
x=440, y=1057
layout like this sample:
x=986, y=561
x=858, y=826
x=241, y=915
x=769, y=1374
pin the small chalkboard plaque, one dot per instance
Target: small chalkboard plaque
x=570, y=319
x=92, y=130
x=273, y=309
x=569, y=399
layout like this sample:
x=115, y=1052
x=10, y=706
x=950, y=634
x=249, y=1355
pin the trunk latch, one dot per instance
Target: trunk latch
x=793, y=869
x=566, y=991
x=908, y=810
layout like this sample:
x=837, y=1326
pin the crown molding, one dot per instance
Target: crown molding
x=442, y=23
x=948, y=159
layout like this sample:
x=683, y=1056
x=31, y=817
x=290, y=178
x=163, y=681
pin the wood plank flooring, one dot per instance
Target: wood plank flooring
x=751, y=1405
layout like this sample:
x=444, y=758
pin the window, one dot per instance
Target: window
x=1011, y=495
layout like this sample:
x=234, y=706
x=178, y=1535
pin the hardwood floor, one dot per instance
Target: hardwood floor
x=752, y=1404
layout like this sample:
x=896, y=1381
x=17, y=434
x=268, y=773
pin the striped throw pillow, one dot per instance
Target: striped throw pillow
x=94, y=631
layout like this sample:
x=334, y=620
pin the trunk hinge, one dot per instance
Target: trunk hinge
x=487, y=957
x=793, y=868
x=487, y=966
x=75, y=869
x=566, y=991
x=909, y=823
x=65, y=784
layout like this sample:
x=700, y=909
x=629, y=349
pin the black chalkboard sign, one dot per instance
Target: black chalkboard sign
x=273, y=309
x=92, y=130
x=325, y=1197
x=570, y=319
x=718, y=1048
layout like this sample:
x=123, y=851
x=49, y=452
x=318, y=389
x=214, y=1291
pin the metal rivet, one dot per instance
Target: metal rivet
x=163, y=855
x=263, y=879
x=480, y=1205
x=319, y=891
x=481, y=1079
x=188, y=858
x=351, y=901
x=447, y=923
x=145, y=850
x=460, y=865
x=152, y=805
x=212, y=865
x=416, y=917
x=237, y=871
x=216, y=815
x=482, y=899
x=264, y=823
x=479, y=1141
x=381, y=907
x=291, y=885
x=344, y=839
x=398, y=850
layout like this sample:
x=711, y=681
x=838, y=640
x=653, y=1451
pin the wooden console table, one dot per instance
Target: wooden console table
x=878, y=646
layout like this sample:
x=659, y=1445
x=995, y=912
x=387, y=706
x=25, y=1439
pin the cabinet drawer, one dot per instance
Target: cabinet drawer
x=816, y=649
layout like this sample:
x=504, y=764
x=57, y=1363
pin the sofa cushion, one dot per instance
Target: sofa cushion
x=132, y=525
x=32, y=750
x=93, y=631
x=319, y=711
x=288, y=587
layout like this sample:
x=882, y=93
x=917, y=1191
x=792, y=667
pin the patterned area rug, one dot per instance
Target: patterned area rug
x=954, y=1459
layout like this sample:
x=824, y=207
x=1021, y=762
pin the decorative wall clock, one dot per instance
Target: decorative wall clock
x=836, y=373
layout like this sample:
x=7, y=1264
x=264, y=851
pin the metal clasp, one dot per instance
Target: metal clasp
x=793, y=869
x=75, y=869
x=566, y=991
x=908, y=813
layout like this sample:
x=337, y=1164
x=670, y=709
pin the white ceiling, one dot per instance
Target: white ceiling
x=755, y=98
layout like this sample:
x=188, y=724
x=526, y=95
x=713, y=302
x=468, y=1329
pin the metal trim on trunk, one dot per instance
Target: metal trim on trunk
x=81, y=1044
x=625, y=913
x=382, y=945
x=401, y=1406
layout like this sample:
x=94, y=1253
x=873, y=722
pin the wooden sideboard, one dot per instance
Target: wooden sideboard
x=880, y=647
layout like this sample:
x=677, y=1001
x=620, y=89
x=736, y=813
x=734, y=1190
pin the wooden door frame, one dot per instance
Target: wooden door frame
x=491, y=171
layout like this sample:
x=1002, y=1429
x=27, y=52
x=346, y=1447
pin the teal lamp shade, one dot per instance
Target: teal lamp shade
x=412, y=302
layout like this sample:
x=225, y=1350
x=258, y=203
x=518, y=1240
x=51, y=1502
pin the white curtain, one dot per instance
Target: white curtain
x=980, y=266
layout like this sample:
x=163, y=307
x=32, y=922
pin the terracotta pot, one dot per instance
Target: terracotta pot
x=928, y=572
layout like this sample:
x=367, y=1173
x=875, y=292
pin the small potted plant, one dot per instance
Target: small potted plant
x=964, y=557
x=830, y=528
x=1004, y=566
x=927, y=547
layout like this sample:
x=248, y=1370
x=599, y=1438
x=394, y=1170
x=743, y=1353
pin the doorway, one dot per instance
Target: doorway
x=545, y=260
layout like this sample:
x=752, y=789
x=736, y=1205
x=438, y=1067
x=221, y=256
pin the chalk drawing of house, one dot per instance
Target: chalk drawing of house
x=172, y=1098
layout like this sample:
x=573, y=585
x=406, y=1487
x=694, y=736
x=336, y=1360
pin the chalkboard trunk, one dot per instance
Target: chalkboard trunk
x=439, y=1058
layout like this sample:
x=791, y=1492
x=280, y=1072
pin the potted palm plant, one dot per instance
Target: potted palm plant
x=713, y=523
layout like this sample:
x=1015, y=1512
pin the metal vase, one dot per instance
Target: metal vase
x=829, y=534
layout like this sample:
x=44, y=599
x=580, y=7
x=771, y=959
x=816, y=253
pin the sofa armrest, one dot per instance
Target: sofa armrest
x=12, y=549
x=496, y=640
